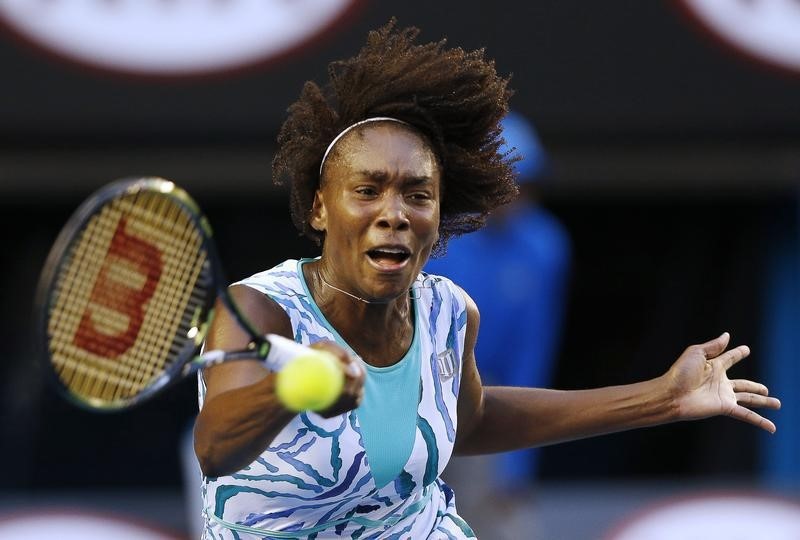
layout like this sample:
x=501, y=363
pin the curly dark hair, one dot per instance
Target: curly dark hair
x=455, y=98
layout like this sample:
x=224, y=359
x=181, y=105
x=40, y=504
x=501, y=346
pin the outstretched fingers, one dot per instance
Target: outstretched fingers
x=713, y=348
x=751, y=417
x=751, y=394
x=743, y=385
x=731, y=357
x=757, y=400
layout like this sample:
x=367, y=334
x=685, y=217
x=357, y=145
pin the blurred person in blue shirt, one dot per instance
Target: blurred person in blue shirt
x=516, y=269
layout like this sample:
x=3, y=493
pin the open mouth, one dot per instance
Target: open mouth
x=389, y=256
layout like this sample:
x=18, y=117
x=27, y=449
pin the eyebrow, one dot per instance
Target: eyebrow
x=380, y=176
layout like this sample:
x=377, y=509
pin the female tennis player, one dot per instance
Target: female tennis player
x=396, y=155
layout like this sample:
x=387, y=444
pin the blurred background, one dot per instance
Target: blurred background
x=673, y=141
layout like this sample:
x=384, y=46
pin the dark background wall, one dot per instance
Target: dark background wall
x=674, y=166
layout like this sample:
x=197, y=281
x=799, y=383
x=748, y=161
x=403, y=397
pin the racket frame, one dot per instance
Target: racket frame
x=186, y=360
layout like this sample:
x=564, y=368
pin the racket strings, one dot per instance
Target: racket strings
x=179, y=282
x=177, y=292
x=174, y=266
x=151, y=361
x=74, y=286
x=80, y=276
x=108, y=387
x=115, y=376
x=153, y=343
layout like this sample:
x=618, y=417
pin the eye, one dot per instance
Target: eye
x=420, y=196
x=366, y=191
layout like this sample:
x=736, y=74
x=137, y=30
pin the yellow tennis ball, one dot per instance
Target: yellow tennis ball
x=310, y=382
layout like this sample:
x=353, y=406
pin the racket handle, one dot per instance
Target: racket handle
x=281, y=351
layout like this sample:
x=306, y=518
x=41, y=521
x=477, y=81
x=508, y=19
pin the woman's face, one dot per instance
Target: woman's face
x=379, y=207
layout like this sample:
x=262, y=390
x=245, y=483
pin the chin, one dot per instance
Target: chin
x=386, y=292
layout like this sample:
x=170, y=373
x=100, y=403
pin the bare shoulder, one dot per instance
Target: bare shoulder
x=473, y=319
x=263, y=313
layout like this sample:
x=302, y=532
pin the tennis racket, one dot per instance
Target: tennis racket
x=127, y=295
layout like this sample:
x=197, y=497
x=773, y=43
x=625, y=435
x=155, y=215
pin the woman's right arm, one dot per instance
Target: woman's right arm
x=241, y=414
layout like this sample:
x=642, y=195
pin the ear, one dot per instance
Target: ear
x=319, y=216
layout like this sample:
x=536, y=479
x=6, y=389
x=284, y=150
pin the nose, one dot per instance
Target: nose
x=393, y=213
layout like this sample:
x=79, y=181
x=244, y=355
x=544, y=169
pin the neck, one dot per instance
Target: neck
x=380, y=331
x=326, y=290
x=351, y=295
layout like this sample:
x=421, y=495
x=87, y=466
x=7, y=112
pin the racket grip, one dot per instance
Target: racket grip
x=281, y=351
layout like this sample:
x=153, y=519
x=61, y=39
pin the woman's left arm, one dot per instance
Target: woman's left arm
x=497, y=419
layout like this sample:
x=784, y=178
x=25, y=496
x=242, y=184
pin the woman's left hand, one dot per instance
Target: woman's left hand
x=701, y=388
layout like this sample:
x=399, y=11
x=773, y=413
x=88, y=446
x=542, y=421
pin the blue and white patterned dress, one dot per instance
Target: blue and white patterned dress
x=314, y=481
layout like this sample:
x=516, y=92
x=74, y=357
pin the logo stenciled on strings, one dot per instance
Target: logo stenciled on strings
x=115, y=291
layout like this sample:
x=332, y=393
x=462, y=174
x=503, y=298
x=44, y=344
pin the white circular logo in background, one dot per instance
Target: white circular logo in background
x=172, y=37
x=723, y=517
x=768, y=30
x=75, y=525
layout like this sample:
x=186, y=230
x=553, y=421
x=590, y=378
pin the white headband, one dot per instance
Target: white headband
x=345, y=130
